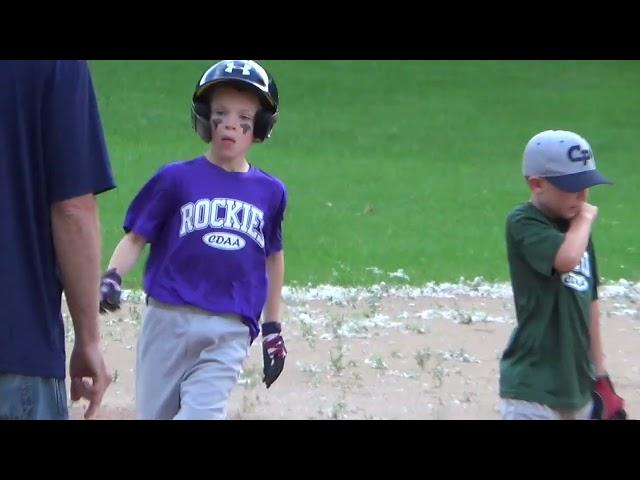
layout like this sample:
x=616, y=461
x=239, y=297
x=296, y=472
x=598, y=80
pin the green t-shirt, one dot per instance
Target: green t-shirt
x=548, y=357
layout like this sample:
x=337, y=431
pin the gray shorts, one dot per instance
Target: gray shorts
x=32, y=398
x=512, y=409
x=187, y=362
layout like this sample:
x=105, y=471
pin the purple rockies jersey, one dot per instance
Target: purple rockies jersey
x=210, y=233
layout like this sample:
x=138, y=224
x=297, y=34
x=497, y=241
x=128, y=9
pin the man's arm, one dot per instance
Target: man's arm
x=76, y=239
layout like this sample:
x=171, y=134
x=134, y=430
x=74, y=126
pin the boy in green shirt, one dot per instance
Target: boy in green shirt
x=553, y=366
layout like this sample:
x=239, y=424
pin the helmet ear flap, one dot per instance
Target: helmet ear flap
x=200, y=120
x=263, y=124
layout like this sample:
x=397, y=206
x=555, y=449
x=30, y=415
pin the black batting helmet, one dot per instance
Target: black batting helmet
x=246, y=73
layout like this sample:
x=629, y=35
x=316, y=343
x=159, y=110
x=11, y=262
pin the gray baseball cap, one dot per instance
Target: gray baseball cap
x=564, y=159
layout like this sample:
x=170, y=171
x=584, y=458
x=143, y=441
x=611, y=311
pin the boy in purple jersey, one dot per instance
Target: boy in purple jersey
x=216, y=262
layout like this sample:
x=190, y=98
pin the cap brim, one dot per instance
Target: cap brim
x=577, y=182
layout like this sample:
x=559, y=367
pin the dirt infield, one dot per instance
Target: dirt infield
x=383, y=353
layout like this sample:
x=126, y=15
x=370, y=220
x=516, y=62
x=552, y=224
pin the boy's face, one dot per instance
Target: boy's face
x=558, y=203
x=232, y=116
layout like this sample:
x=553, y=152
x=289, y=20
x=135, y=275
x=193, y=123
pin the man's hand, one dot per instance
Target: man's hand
x=87, y=362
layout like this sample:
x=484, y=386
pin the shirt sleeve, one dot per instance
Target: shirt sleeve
x=274, y=241
x=74, y=147
x=151, y=207
x=537, y=241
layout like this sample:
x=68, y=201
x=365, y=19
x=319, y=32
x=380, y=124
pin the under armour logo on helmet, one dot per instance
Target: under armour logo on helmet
x=576, y=154
x=245, y=67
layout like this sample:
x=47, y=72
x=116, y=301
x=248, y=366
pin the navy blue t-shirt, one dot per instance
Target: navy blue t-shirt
x=52, y=148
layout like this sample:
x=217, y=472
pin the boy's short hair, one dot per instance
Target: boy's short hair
x=207, y=95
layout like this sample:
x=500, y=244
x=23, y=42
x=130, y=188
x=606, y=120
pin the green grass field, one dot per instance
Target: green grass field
x=394, y=164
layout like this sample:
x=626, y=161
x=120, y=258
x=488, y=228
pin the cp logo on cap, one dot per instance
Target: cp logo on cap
x=576, y=154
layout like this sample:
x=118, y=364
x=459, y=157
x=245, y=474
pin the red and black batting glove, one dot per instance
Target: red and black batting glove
x=273, y=351
x=607, y=404
x=110, y=291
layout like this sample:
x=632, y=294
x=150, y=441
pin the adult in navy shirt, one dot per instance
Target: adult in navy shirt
x=53, y=161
